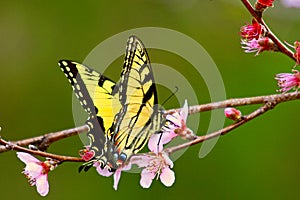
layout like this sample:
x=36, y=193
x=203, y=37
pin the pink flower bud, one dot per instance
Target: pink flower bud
x=86, y=154
x=251, y=31
x=265, y=3
x=233, y=114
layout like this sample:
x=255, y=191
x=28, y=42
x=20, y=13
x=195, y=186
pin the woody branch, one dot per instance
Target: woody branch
x=46, y=140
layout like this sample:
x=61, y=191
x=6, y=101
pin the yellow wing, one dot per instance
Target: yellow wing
x=139, y=117
x=96, y=94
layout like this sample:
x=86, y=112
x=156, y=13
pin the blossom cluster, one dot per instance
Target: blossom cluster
x=157, y=163
x=254, y=38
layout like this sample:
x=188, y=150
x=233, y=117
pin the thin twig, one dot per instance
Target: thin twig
x=12, y=146
x=44, y=141
x=267, y=106
x=240, y=102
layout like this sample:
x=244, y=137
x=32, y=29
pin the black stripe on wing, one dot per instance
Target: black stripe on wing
x=74, y=72
x=137, y=119
x=71, y=72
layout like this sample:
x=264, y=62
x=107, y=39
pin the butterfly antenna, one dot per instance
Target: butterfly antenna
x=176, y=90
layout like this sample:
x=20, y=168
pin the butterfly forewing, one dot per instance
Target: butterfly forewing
x=95, y=93
x=137, y=94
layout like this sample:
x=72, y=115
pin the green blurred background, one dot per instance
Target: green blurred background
x=257, y=161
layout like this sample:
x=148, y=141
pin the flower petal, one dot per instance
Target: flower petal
x=27, y=158
x=154, y=144
x=167, y=160
x=117, y=177
x=167, y=137
x=42, y=185
x=167, y=177
x=176, y=119
x=142, y=160
x=184, y=111
x=146, y=178
x=103, y=172
x=33, y=169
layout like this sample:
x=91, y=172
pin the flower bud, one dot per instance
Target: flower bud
x=233, y=114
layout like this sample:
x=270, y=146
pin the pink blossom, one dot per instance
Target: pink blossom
x=260, y=45
x=253, y=31
x=155, y=165
x=37, y=172
x=176, y=125
x=233, y=114
x=250, y=46
x=288, y=81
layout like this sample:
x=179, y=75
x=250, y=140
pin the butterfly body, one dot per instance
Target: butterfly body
x=122, y=115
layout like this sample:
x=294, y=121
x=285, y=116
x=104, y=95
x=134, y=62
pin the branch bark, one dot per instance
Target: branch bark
x=46, y=140
x=240, y=102
x=267, y=106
